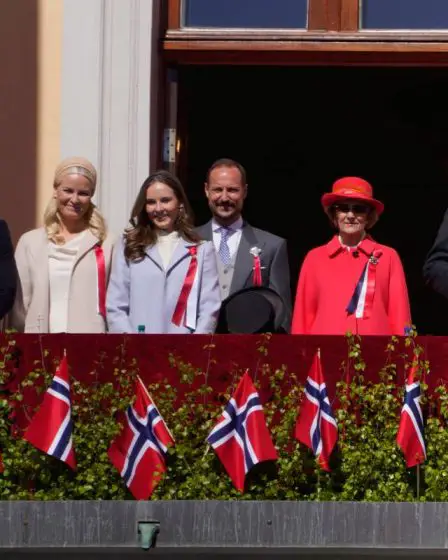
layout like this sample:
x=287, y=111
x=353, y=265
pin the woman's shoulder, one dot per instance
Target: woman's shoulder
x=114, y=240
x=387, y=250
x=32, y=236
x=205, y=247
x=204, y=243
x=111, y=239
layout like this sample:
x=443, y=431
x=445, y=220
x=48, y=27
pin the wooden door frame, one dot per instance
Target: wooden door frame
x=332, y=37
x=313, y=53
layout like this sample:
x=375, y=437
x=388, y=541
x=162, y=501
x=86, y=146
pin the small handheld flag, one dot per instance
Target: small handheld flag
x=241, y=438
x=316, y=426
x=51, y=428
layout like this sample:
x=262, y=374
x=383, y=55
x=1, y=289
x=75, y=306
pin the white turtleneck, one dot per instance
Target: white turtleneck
x=166, y=245
x=61, y=259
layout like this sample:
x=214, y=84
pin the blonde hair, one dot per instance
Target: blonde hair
x=93, y=219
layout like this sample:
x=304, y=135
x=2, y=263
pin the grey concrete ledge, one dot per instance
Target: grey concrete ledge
x=226, y=524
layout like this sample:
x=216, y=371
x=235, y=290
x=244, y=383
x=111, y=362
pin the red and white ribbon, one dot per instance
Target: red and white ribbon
x=101, y=280
x=361, y=303
x=256, y=276
x=186, y=308
x=371, y=283
x=257, y=281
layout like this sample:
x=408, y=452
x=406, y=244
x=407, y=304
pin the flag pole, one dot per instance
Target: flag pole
x=418, y=481
x=318, y=466
x=318, y=483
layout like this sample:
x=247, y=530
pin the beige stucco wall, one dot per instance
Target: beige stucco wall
x=49, y=58
x=30, y=85
x=77, y=79
x=110, y=73
x=18, y=78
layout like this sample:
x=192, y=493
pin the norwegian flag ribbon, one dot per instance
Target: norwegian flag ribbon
x=410, y=436
x=186, y=307
x=101, y=280
x=315, y=425
x=241, y=438
x=361, y=302
x=139, y=451
x=51, y=428
x=257, y=281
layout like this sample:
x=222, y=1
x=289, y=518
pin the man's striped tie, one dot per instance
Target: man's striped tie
x=224, y=251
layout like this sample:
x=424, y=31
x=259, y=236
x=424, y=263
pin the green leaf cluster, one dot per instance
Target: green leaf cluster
x=367, y=465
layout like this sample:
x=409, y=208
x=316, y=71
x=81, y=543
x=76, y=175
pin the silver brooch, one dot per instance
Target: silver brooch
x=255, y=251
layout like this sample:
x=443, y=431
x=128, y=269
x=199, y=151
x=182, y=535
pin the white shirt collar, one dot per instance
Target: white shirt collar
x=236, y=226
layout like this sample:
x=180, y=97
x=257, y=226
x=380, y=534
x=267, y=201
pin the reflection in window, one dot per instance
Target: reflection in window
x=404, y=14
x=263, y=14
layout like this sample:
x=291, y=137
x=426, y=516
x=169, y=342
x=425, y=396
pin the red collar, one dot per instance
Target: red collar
x=366, y=246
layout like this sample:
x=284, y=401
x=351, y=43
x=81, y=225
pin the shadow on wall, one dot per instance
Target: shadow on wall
x=18, y=114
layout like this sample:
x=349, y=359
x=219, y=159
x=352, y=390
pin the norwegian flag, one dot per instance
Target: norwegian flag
x=139, y=451
x=410, y=436
x=316, y=426
x=51, y=428
x=241, y=438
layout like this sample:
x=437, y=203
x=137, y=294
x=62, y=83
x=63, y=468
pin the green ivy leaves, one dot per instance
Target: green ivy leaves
x=367, y=464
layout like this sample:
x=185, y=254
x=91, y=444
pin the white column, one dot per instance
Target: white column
x=106, y=90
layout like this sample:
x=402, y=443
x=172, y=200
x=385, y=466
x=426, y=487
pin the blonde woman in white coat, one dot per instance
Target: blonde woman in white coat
x=64, y=266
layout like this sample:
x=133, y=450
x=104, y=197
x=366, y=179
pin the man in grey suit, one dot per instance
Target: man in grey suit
x=237, y=243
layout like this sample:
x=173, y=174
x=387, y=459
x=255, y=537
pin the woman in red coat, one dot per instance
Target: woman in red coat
x=353, y=283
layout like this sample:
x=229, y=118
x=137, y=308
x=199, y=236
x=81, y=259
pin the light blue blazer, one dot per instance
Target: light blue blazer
x=144, y=293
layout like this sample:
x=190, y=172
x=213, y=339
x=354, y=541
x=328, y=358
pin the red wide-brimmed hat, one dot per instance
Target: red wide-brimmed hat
x=353, y=188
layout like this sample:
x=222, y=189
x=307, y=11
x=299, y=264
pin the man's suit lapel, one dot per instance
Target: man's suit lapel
x=244, y=260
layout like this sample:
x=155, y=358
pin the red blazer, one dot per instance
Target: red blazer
x=326, y=284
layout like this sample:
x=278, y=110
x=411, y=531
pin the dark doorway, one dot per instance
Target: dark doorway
x=297, y=129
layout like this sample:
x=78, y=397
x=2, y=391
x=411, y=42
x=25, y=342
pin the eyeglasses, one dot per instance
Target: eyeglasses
x=355, y=208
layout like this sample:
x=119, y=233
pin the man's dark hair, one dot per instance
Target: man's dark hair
x=227, y=162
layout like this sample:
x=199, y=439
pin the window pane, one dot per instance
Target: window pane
x=265, y=14
x=404, y=14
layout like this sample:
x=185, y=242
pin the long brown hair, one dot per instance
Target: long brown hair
x=142, y=233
